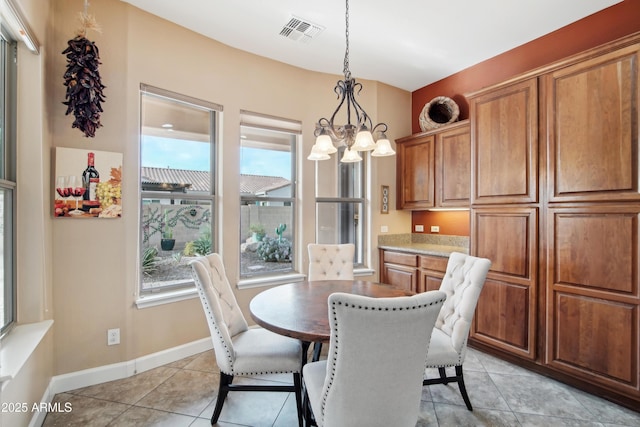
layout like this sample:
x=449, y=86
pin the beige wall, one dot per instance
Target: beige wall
x=83, y=274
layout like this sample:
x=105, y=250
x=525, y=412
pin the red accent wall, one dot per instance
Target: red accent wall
x=609, y=24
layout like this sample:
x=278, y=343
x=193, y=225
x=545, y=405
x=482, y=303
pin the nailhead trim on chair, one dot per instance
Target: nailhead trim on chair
x=209, y=314
x=336, y=337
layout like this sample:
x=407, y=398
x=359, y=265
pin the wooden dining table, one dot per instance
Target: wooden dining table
x=300, y=310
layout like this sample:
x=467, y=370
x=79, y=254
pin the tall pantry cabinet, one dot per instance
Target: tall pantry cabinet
x=555, y=205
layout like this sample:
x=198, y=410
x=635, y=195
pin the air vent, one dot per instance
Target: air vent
x=300, y=30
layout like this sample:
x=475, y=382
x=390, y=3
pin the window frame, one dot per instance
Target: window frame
x=215, y=118
x=8, y=173
x=292, y=128
x=359, y=261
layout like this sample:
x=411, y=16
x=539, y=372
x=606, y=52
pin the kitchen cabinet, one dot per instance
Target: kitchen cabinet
x=418, y=273
x=506, y=315
x=559, y=218
x=504, y=147
x=453, y=166
x=415, y=166
x=433, y=168
x=400, y=269
x=592, y=233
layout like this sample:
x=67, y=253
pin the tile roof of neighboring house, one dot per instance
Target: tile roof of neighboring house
x=163, y=178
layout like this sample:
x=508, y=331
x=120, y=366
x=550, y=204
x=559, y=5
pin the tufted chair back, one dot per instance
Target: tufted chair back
x=331, y=262
x=462, y=284
x=220, y=306
x=376, y=358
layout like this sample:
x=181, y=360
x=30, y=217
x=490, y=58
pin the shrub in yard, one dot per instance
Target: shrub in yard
x=274, y=250
x=149, y=260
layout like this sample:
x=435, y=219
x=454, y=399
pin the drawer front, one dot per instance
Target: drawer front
x=401, y=258
x=436, y=263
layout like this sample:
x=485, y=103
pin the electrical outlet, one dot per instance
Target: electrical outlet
x=419, y=228
x=435, y=228
x=113, y=336
x=384, y=229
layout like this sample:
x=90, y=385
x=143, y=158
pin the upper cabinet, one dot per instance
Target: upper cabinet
x=415, y=158
x=453, y=166
x=592, y=127
x=504, y=144
x=433, y=168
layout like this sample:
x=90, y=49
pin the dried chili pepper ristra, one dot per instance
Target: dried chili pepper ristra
x=84, y=87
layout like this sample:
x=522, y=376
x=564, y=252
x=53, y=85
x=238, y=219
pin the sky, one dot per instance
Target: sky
x=194, y=155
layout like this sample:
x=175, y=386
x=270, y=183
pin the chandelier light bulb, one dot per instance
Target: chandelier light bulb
x=350, y=156
x=383, y=147
x=364, y=140
x=325, y=145
x=318, y=154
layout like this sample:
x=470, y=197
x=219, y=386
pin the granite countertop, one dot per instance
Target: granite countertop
x=424, y=244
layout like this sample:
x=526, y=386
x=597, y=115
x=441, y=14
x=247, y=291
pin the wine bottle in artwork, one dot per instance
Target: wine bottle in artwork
x=90, y=180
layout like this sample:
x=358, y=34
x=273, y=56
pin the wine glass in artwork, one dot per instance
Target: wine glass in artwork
x=76, y=189
x=61, y=187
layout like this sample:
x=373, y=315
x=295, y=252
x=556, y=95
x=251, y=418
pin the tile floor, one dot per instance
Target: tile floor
x=183, y=394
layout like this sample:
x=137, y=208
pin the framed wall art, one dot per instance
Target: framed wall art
x=384, y=199
x=87, y=184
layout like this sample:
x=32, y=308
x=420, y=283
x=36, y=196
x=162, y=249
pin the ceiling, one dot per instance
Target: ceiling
x=404, y=43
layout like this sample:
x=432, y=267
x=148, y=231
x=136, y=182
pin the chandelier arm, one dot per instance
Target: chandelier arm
x=361, y=115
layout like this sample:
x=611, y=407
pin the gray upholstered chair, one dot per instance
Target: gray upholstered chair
x=241, y=350
x=331, y=262
x=462, y=283
x=377, y=353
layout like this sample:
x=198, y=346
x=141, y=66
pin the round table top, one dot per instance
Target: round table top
x=300, y=310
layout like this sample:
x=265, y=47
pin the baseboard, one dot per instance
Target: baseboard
x=116, y=371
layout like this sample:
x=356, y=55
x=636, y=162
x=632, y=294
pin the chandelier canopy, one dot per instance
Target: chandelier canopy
x=358, y=133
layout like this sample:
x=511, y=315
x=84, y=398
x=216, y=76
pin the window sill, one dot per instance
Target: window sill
x=271, y=280
x=152, y=300
x=359, y=272
x=18, y=346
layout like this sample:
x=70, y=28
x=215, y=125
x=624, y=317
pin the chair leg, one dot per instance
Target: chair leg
x=223, y=390
x=297, y=383
x=463, y=389
x=317, y=348
x=443, y=375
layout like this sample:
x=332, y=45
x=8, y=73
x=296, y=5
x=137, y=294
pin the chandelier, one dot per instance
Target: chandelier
x=358, y=133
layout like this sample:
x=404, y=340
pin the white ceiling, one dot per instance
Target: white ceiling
x=404, y=43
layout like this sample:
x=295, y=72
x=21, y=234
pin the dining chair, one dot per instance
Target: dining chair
x=329, y=262
x=240, y=350
x=462, y=283
x=373, y=372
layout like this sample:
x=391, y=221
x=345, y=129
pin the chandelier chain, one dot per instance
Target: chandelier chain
x=347, y=73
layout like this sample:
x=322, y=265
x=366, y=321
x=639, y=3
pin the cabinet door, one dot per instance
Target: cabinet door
x=415, y=172
x=432, y=269
x=504, y=144
x=453, y=167
x=593, y=294
x=592, y=128
x=506, y=314
x=401, y=277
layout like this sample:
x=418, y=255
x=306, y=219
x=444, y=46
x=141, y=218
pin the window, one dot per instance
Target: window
x=8, y=71
x=267, y=195
x=340, y=203
x=177, y=182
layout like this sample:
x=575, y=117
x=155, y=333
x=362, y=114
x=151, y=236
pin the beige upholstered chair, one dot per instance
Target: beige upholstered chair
x=331, y=262
x=462, y=284
x=377, y=355
x=241, y=350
